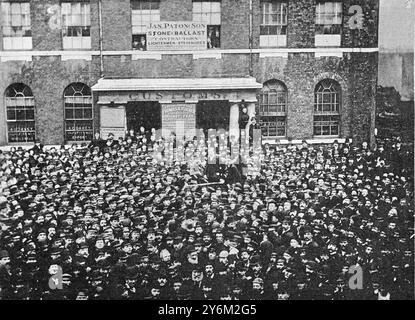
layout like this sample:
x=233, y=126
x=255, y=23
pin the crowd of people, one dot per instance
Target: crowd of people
x=116, y=220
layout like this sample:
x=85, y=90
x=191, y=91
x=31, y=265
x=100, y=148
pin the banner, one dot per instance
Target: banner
x=179, y=118
x=176, y=35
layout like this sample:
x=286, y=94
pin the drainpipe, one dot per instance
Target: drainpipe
x=250, y=38
x=100, y=39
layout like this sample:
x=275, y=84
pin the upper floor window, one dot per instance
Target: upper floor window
x=329, y=16
x=76, y=25
x=272, y=109
x=143, y=12
x=209, y=12
x=20, y=113
x=78, y=112
x=17, y=33
x=273, y=28
x=327, y=97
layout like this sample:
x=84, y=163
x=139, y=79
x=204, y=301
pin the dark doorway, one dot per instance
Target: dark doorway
x=213, y=115
x=143, y=113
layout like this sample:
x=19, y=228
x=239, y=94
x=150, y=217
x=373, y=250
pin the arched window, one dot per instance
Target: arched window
x=272, y=109
x=327, y=103
x=20, y=106
x=78, y=112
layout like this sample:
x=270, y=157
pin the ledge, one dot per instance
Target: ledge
x=74, y=55
x=337, y=54
x=142, y=55
x=27, y=55
x=15, y=56
x=281, y=54
x=207, y=55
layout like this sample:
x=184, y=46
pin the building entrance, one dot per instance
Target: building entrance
x=145, y=114
x=213, y=114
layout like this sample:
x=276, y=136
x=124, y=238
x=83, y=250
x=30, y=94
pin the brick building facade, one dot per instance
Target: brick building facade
x=307, y=68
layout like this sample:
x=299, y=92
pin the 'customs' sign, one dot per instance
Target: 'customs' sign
x=176, y=35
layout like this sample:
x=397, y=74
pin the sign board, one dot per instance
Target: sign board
x=179, y=118
x=112, y=121
x=177, y=95
x=176, y=35
x=117, y=132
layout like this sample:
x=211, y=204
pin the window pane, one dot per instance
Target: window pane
x=206, y=6
x=145, y=5
x=266, y=19
x=197, y=6
x=155, y=5
x=281, y=99
x=87, y=15
x=30, y=114
x=76, y=20
x=16, y=20
x=86, y=32
x=76, y=8
x=69, y=113
x=275, y=19
x=272, y=98
x=78, y=113
x=20, y=115
x=65, y=8
x=215, y=19
x=11, y=114
x=135, y=5
x=15, y=8
x=87, y=113
x=216, y=6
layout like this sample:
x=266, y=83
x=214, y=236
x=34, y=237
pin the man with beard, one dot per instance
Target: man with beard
x=257, y=292
x=272, y=289
x=255, y=270
x=163, y=285
x=176, y=289
x=130, y=288
x=196, y=284
x=5, y=276
x=212, y=282
x=191, y=262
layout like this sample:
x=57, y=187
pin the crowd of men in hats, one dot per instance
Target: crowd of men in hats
x=109, y=221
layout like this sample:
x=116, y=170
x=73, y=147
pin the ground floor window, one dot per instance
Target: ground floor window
x=78, y=113
x=326, y=125
x=272, y=109
x=20, y=114
x=273, y=126
x=327, y=104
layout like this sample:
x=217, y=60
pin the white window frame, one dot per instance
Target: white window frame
x=277, y=109
x=143, y=12
x=329, y=14
x=16, y=25
x=20, y=100
x=209, y=12
x=76, y=18
x=327, y=106
x=277, y=37
x=74, y=94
